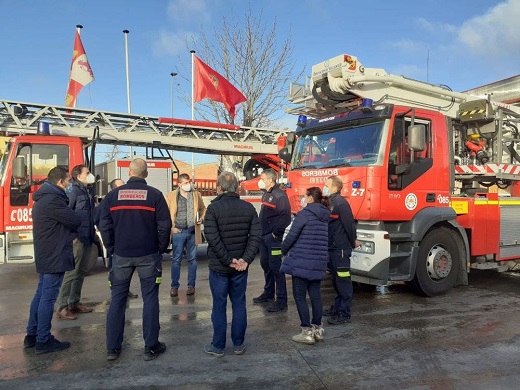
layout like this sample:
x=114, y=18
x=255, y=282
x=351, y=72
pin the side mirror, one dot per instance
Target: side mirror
x=285, y=155
x=19, y=168
x=417, y=138
x=290, y=138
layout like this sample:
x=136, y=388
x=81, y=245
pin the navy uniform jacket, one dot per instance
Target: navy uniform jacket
x=134, y=220
x=54, y=228
x=342, y=226
x=275, y=213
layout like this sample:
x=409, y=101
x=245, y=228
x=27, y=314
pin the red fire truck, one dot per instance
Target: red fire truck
x=432, y=175
x=44, y=136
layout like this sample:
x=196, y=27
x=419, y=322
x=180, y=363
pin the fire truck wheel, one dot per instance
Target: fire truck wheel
x=437, y=262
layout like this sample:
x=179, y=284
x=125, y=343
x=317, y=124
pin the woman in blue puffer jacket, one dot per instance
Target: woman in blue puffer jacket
x=306, y=254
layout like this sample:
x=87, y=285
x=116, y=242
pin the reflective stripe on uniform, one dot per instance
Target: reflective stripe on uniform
x=345, y=274
x=276, y=252
x=158, y=280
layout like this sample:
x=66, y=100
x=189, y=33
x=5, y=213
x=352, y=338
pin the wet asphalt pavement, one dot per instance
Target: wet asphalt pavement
x=468, y=339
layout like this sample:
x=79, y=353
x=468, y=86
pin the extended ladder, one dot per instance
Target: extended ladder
x=137, y=130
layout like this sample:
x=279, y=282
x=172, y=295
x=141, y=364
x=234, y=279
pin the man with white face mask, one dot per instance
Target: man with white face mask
x=81, y=200
x=187, y=211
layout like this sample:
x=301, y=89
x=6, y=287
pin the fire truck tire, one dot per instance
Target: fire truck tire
x=437, y=262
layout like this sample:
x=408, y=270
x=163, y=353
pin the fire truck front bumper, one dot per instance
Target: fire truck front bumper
x=370, y=263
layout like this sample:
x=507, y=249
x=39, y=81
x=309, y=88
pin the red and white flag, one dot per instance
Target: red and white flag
x=80, y=72
x=208, y=83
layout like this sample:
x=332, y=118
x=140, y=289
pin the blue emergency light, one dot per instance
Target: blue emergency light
x=302, y=120
x=366, y=105
x=356, y=184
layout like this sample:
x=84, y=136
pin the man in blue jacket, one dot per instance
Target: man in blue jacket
x=342, y=239
x=135, y=225
x=85, y=251
x=275, y=216
x=54, y=226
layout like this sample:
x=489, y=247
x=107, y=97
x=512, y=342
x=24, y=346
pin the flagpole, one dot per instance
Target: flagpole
x=192, y=108
x=78, y=30
x=129, y=106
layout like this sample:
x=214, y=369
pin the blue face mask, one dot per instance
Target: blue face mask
x=68, y=189
x=325, y=191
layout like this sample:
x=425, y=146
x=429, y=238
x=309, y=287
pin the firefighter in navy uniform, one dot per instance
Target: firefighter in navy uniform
x=135, y=225
x=342, y=239
x=275, y=216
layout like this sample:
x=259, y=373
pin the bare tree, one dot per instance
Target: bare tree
x=251, y=55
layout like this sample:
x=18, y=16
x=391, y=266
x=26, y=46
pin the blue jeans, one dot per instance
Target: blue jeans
x=42, y=306
x=182, y=240
x=221, y=286
x=274, y=279
x=149, y=269
x=340, y=262
x=300, y=288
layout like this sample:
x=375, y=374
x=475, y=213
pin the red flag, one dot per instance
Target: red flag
x=80, y=73
x=210, y=84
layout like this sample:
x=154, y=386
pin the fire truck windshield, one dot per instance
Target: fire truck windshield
x=353, y=146
x=3, y=161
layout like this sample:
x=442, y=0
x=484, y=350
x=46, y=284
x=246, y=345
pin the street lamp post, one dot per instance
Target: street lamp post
x=173, y=74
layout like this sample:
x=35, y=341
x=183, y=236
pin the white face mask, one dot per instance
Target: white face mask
x=325, y=191
x=261, y=184
x=91, y=179
x=186, y=187
x=303, y=202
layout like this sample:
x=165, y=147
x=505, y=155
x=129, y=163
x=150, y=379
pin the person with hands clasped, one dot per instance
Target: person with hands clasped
x=275, y=216
x=233, y=233
x=306, y=254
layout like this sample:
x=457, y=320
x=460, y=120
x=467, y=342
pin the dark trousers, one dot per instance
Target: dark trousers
x=341, y=281
x=149, y=269
x=42, y=306
x=301, y=287
x=271, y=260
x=221, y=286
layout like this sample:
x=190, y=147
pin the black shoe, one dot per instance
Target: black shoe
x=276, y=306
x=132, y=295
x=29, y=341
x=338, y=320
x=51, y=345
x=151, y=353
x=113, y=354
x=262, y=299
x=331, y=311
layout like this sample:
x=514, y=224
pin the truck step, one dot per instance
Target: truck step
x=20, y=258
x=20, y=242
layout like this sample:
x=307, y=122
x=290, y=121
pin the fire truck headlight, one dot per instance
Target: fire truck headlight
x=366, y=247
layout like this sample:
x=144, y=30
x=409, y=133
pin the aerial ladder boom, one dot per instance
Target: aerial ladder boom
x=115, y=128
x=342, y=82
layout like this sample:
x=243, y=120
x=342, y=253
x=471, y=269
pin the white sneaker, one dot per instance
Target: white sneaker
x=318, y=332
x=305, y=337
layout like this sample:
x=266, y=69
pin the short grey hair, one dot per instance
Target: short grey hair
x=227, y=182
x=139, y=168
x=270, y=174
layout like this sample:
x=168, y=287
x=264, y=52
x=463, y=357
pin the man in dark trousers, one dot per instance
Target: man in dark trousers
x=135, y=225
x=54, y=226
x=275, y=216
x=233, y=233
x=342, y=239
x=81, y=200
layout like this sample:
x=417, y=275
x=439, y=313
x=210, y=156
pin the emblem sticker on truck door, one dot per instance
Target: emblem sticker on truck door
x=410, y=201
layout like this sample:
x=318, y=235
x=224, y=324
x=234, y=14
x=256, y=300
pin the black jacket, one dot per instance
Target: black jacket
x=134, y=220
x=232, y=230
x=275, y=213
x=82, y=201
x=54, y=226
x=342, y=226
